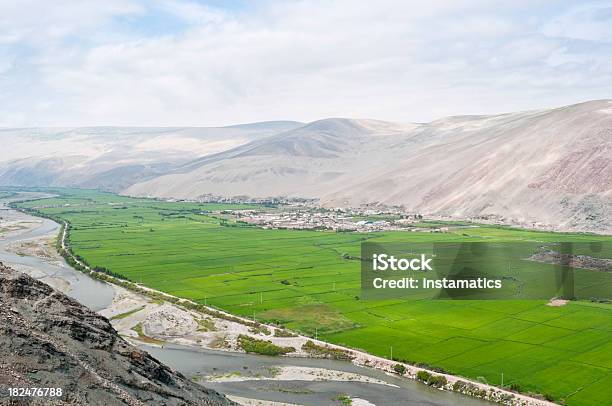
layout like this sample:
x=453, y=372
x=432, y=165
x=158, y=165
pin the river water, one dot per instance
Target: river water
x=92, y=293
x=196, y=362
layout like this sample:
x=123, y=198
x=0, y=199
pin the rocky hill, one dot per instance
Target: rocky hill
x=49, y=340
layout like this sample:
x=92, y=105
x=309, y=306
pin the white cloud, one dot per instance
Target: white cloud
x=190, y=11
x=304, y=60
x=39, y=22
x=588, y=21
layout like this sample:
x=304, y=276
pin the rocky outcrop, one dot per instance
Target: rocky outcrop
x=48, y=340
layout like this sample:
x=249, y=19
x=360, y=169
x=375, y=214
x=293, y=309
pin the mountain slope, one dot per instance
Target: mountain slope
x=309, y=161
x=49, y=340
x=113, y=158
x=550, y=167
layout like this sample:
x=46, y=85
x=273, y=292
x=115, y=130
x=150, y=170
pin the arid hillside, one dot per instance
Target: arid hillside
x=551, y=168
x=113, y=158
x=546, y=168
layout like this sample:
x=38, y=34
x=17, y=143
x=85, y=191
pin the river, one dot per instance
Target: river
x=196, y=362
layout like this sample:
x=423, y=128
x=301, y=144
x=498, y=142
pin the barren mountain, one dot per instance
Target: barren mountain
x=48, y=340
x=113, y=158
x=549, y=167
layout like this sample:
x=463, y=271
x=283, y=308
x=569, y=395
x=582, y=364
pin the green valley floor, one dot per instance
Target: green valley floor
x=308, y=281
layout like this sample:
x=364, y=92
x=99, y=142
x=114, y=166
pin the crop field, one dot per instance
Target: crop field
x=307, y=281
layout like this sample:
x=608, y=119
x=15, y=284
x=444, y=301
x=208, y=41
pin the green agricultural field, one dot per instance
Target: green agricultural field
x=304, y=280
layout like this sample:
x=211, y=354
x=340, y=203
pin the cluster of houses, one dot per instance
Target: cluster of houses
x=320, y=219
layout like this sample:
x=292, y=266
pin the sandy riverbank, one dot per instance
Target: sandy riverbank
x=256, y=402
x=41, y=247
x=294, y=373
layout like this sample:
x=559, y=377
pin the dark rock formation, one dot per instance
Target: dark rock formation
x=48, y=340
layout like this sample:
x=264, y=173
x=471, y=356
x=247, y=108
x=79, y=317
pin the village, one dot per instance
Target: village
x=338, y=219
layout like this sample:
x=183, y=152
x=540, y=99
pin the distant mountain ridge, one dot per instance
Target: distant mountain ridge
x=113, y=158
x=548, y=168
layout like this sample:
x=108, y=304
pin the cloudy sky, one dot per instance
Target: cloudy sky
x=183, y=62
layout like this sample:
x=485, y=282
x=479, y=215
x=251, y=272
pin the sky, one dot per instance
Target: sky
x=209, y=63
